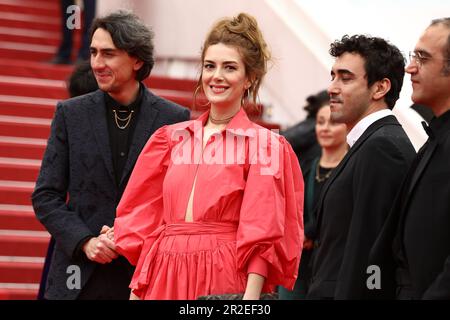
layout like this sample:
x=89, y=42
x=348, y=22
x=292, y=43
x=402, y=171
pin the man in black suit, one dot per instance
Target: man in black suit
x=366, y=80
x=413, y=251
x=94, y=143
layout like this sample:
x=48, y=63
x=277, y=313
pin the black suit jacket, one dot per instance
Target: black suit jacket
x=302, y=138
x=416, y=235
x=353, y=207
x=76, y=193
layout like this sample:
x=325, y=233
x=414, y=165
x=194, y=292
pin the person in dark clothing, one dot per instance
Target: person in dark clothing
x=302, y=136
x=94, y=142
x=81, y=81
x=425, y=112
x=68, y=10
x=366, y=79
x=331, y=137
x=413, y=250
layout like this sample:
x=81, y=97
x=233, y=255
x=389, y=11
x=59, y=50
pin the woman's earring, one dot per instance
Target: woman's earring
x=195, y=99
x=245, y=97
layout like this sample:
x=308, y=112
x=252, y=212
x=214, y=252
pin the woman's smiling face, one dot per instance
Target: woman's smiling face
x=224, y=78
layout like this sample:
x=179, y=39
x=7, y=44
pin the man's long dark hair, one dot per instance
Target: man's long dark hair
x=131, y=35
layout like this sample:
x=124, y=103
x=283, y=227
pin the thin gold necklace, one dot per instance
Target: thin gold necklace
x=221, y=121
x=127, y=119
x=325, y=177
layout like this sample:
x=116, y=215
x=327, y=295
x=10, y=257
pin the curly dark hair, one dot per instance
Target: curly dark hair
x=130, y=34
x=382, y=60
x=82, y=80
x=315, y=102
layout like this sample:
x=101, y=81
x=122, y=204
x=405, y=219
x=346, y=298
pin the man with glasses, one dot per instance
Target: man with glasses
x=413, y=251
x=366, y=80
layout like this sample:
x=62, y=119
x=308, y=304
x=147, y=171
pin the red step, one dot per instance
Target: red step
x=20, y=272
x=23, y=51
x=179, y=97
x=14, y=217
x=16, y=192
x=16, y=169
x=51, y=10
x=29, y=21
x=16, y=244
x=33, y=87
x=29, y=36
x=24, y=127
x=160, y=82
x=18, y=294
x=16, y=147
x=33, y=69
x=27, y=107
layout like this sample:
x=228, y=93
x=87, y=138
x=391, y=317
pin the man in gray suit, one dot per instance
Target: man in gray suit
x=94, y=143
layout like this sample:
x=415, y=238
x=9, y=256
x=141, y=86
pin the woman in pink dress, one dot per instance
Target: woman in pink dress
x=214, y=205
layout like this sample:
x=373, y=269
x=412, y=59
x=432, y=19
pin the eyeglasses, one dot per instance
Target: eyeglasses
x=420, y=59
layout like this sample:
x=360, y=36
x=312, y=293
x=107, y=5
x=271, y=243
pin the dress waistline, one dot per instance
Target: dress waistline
x=199, y=228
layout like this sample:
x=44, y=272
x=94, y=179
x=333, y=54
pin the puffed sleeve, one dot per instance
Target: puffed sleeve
x=270, y=233
x=140, y=210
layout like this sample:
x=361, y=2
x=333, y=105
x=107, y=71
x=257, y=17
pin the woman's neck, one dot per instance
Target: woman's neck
x=220, y=117
x=331, y=157
x=222, y=112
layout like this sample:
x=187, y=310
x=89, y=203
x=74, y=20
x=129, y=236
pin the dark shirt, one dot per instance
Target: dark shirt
x=418, y=208
x=312, y=195
x=120, y=139
x=324, y=173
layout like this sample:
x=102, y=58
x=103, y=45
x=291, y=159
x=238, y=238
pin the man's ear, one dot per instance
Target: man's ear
x=137, y=65
x=380, y=89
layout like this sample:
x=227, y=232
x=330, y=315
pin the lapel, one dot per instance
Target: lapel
x=421, y=166
x=389, y=120
x=144, y=129
x=437, y=131
x=97, y=118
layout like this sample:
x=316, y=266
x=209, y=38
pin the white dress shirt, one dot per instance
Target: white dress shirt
x=364, y=123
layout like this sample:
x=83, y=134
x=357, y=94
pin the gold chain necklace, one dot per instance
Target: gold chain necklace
x=127, y=119
x=221, y=121
x=325, y=177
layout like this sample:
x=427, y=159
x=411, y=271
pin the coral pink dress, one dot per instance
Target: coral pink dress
x=247, y=211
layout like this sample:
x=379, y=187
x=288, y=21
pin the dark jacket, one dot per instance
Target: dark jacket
x=76, y=193
x=302, y=138
x=353, y=207
x=416, y=236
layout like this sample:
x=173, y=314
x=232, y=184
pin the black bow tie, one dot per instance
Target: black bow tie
x=428, y=130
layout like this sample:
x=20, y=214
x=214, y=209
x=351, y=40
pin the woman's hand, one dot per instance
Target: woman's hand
x=109, y=231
